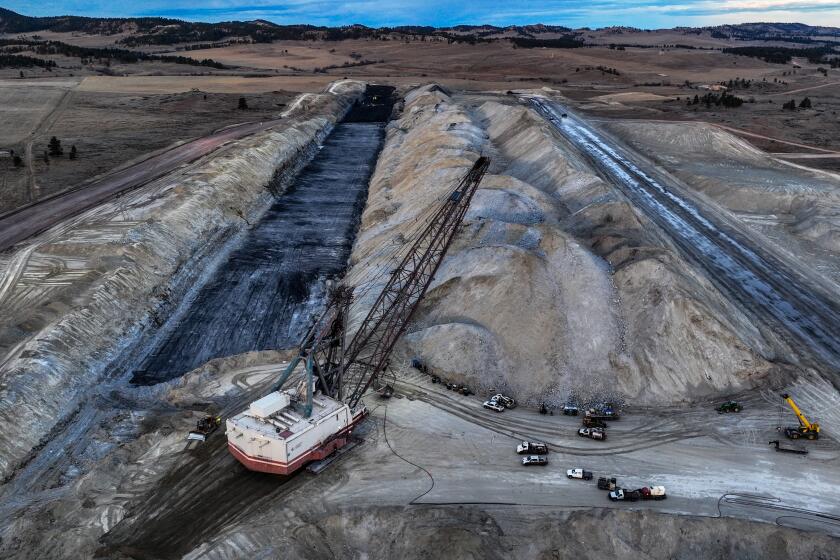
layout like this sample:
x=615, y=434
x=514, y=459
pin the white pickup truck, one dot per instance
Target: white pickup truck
x=532, y=448
x=579, y=473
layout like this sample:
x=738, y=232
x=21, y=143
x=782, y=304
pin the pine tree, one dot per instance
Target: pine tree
x=243, y=104
x=55, y=147
x=805, y=104
x=73, y=151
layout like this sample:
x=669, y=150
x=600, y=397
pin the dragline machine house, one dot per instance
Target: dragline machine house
x=288, y=428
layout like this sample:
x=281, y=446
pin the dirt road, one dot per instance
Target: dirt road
x=774, y=291
x=39, y=216
x=43, y=127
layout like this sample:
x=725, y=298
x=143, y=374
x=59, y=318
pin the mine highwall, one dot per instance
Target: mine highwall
x=173, y=232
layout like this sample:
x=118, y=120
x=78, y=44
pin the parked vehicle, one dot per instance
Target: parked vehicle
x=579, y=473
x=605, y=483
x=506, y=402
x=419, y=364
x=491, y=405
x=729, y=406
x=204, y=427
x=532, y=448
x=593, y=433
x=466, y=391
x=570, y=410
x=435, y=379
x=538, y=460
x=604, y=412
x=590, y=422
x=652, y=493
x=620, y=494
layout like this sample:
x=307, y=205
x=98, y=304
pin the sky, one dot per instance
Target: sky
x=573, y=13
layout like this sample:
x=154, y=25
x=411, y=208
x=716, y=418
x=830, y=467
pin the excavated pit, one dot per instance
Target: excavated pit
x=265, y=293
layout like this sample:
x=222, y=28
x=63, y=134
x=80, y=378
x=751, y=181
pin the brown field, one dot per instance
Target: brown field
x=651, y=83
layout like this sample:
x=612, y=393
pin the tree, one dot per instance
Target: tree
x=17, y=161
x=789, y=105
x=243, y=104
x=55, y=147
x=805, y=104
x=73, y=151
x=21, y=73
x=46, y=158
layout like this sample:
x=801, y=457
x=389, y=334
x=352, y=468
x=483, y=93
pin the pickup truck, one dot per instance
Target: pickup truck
x=603, y=413
x=494, y=406
x=593, y=433
x=579, y=473
x=535, y=460
x=506, y=402
x=619, y=494
x=590, y=422
x=532, y=448
x=652, y=493
x=570, y=410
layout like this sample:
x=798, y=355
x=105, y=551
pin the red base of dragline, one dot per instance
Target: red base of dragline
x=322, y=451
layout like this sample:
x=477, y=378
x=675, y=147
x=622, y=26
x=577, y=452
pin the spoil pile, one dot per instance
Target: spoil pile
x=555, y=285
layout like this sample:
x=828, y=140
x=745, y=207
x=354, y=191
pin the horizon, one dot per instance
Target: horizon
x=642, y=14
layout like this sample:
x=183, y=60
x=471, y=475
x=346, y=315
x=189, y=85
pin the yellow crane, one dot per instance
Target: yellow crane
x=806, y=429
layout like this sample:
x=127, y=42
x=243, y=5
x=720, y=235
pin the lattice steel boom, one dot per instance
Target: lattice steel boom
x=368, y=352
x=345, y=371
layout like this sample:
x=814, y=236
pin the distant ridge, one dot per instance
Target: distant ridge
x=165, y=31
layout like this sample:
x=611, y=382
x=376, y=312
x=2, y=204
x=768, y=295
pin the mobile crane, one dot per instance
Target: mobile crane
x=806, y=429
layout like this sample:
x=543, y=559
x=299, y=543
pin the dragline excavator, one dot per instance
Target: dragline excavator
x=290, y=427
x=806, y=429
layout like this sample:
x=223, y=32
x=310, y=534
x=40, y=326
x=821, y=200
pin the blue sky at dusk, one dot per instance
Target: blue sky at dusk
x=593, y=13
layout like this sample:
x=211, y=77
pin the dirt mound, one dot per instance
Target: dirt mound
x=796, y=206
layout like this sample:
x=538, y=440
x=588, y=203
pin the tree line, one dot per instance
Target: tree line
x=124, y=56
x=783, y=55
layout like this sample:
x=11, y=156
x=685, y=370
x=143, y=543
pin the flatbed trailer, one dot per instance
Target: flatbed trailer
x=795, y=450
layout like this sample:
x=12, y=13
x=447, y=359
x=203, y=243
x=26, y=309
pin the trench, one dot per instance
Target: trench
x=264, y=294
x=261, y=297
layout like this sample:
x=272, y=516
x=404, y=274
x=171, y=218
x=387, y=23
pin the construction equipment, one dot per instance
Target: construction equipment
x=204, y=427
x=806, y=429
x=605, y=483
x=729, y=406
x=289, y=428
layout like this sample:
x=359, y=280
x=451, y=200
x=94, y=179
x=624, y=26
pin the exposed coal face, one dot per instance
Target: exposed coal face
x=263, y=296
x=375, y=106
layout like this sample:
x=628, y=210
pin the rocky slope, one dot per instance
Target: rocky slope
x=473, y=532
